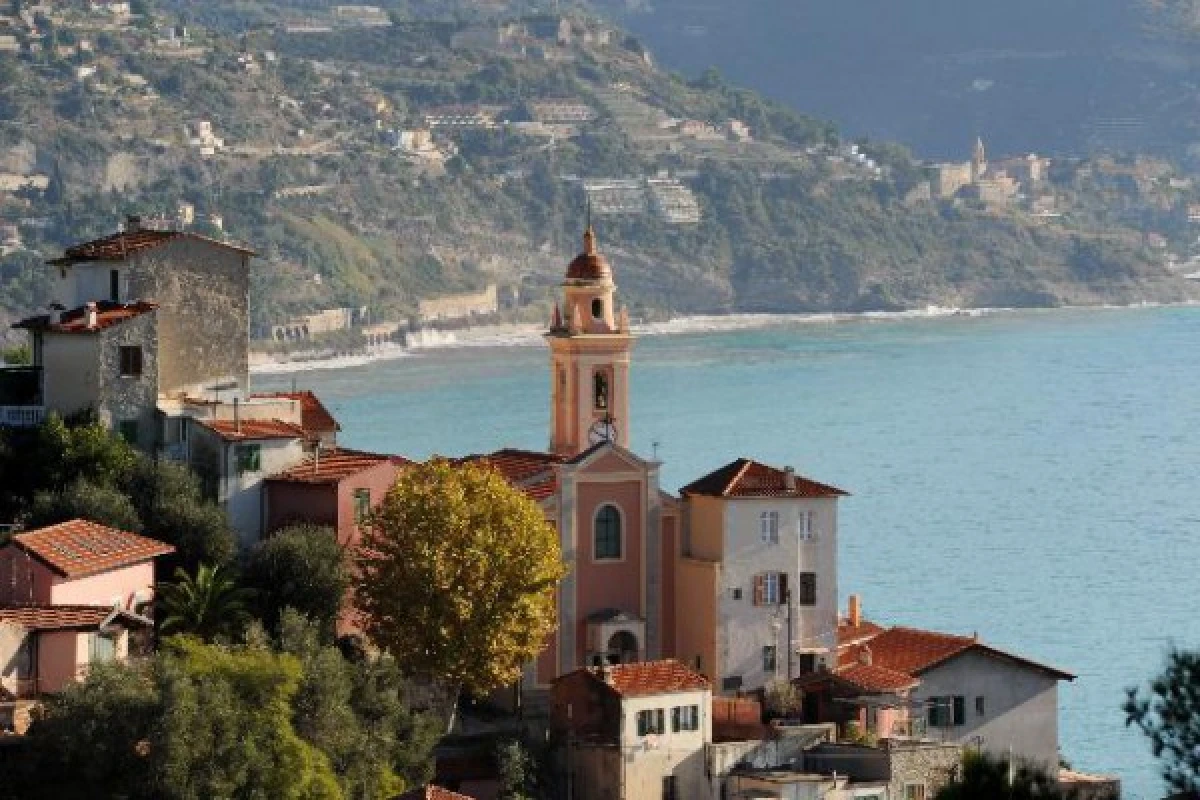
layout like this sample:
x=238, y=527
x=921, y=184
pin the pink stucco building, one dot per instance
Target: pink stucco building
x=70, y=595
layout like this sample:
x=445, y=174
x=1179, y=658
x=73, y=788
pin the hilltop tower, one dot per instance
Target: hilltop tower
x=590, y=346
x=979, y=164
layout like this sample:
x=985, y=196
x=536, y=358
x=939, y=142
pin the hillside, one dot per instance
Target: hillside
x=383, y=159
x=1065, y=77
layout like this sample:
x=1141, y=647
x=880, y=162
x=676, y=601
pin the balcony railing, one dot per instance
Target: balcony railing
x=21, y=416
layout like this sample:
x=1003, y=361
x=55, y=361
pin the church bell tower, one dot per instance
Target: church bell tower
x=590, y=345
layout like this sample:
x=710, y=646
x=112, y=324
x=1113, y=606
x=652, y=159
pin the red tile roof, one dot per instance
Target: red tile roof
x=314, y=417
x=120, y=246
x=57, y=618
x=252, y=429
x=649, y=677
x=747, y=478
x=872, y=678
x=529, y=471
x=914, y=651
x=75, y=320
x=80, y=548
x=852, y=634
x=332, y=466
x=431, y=792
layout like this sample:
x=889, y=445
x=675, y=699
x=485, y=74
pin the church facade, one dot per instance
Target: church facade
x=728, y=578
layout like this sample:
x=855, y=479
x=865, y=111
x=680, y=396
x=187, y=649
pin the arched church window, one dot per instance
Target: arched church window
x=607, y=533
x=597, y=308
x=600, y=390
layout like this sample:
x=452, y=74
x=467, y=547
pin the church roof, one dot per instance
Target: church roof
x=589, y=265
x=747, y=478
x=531, y=472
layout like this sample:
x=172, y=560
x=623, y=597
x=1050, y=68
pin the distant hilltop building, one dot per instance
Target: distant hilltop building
x=995, y=184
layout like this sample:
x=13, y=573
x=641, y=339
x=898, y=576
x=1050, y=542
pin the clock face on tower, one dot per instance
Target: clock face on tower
x=602, y=430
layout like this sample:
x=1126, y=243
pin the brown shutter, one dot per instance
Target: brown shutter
x=783, y=589
x=758, y=590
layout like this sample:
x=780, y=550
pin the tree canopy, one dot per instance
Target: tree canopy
x=210, y=605
x=303, y=568
x=456, y=576
x=1168, y=712
x=984, y=777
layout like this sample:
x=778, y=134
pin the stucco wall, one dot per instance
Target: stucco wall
x=243, y=495
x=59, y=661
x=608, y=584
x=669, y=561
x=12, y=667
x=71, y=371
x=23, y=579
x=705, y=528
x=104, y=589
x=1020, y=705
x=203, y=291
x=744, y=628
x=291, y=503
x=377, y=480
x=696, y=628
x=648, y=760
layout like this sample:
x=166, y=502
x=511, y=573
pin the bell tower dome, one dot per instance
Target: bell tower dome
x=590, y=345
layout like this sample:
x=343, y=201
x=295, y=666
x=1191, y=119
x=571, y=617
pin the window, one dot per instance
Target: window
x=808, y=589
x=770, y=589
x=914, y=791
x=737, y=594
x=947, y=711
x=608, y=533
x=732, y=683
x=131, y=362
x=768, y=527
x=597, y=308
x=807, y=663
x=600, y=391
x=685, y=718
x=979, y=707
x=650, y=722
x=362, y=504
x=808, y=525
x=127, y=429
x=101, y=648
x=114, y=285
x=769, y=658
x=670, y=788
x=249, y=458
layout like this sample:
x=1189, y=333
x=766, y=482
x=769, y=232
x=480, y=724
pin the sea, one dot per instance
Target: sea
x=1028, y=476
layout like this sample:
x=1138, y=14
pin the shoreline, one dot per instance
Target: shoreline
x=530, y=334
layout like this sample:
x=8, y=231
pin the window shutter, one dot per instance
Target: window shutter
x=758, y=589
x=783, y=589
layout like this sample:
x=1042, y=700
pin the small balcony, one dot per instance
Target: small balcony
x=21, y=401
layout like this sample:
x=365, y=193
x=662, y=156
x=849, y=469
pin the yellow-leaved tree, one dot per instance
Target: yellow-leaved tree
x=456, y=576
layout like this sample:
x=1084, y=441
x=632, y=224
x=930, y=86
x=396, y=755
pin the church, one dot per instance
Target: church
x=735, y=576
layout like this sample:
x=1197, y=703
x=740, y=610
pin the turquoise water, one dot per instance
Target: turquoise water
x=1028, y=476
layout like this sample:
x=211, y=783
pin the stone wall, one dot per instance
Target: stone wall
x=127, y=397
x=931, y=764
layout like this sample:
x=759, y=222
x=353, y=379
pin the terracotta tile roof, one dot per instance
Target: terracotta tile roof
x=530, y=471
x=57, y=618
x=252, y=429
x=79, y=548
x=747, y=478
x=872, y=678
x=650, y=677
x=75, y=320
x=914, y=651
x=314, y=417
x=853, y=634
x=431, y=792
x=119, y=246
x=332, y=466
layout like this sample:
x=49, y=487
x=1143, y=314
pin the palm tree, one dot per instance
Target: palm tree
x=208, y=606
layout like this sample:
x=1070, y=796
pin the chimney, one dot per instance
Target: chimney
x=864, y=656
x=789, y=478
x=237, y=416
x=854, y=615
x=133, y=223
x=317, y=459
x=91, y=315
